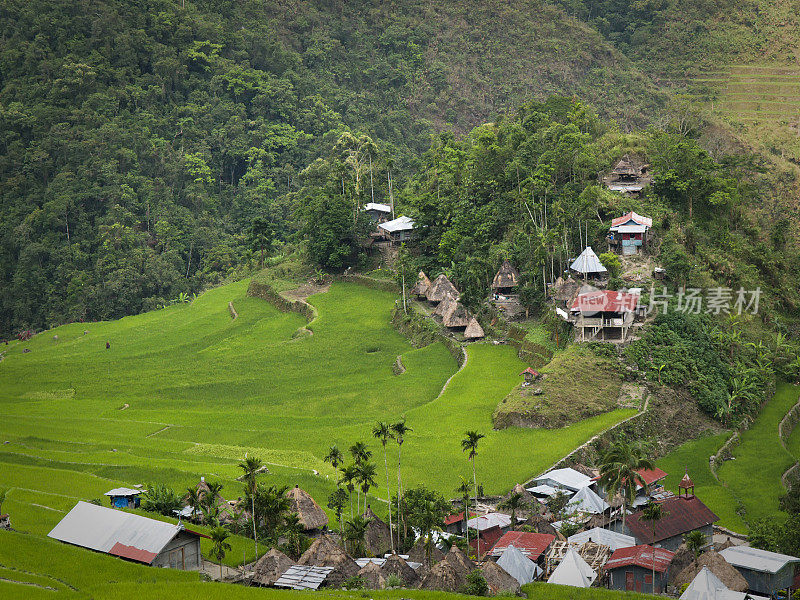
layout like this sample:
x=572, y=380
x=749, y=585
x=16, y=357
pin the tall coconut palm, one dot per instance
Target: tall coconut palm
x=366, y=479
x=210, y=504
x=383, y=433
x=618, y=471
x=251, y=466
x=219, y=545
x=470, y=445
x=400, y=430
x=653, y=513
x=334, y=456
x=360, y=455
x=348, y=478
x=463, y=489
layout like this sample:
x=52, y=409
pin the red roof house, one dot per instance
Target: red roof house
x=632, y=217
x=532, y=545
x=649, y=476
x=488, y=539
x=605, y=301
x=682, y=514
x=641, y=556
x=456, y=518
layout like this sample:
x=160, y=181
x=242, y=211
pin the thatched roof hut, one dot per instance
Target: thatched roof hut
x=227, y=512
x=324, y=552
x=507, y=277
x=445, y=306
x=372, y=576
x=498, y=579
x=458, y=317
x=474, y=331
x=682, y=559
x=396, y=565
x=377, y=537
x=418, y=553
x=541, y=525
x=439, y=289
x=271, y=566
x=625, y=167
x=459, y=560
x=445, y=577
x=310, y=513
x=422, y=286
x=712, y=559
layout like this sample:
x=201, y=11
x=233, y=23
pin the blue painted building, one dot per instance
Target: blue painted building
x=124, y=497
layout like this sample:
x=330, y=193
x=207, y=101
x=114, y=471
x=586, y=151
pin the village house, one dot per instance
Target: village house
x=604, y=315
x=766, y=572
x=124, y=497
x=487, y=540
x=652, y=478
x=519, y=566
x=130, y=536
x=629, y=176
x=397, y=231
x=629, y=233
x=588, y=265
x=422, y=285
x=456, y=524
x=612, y=539
x=532, y=545
x=505, y=280
x=631, y=569
x=530, y=375
x=567, y=479
x=377, y=212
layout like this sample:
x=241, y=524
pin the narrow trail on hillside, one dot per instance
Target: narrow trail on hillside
x=461, y=368
x=785, y=428
x=159, y=431
x=234, y=314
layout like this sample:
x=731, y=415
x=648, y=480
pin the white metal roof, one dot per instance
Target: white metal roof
x=566, y=478
x=489, y=520
x=398, y=224
x=707, y=586
x=573, y=570
x=616, y=187
x=101, y=529
x=754, y=559
x=543, y=490
x=363, y=562
x=635, y=228
x=123, y=491
x=588, y=262
x=379, y=207
x=302, y=577
x=605, y=537
x=586, y=501
x=519, y=566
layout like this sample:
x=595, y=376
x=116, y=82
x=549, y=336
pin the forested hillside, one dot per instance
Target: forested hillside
x=140, y=141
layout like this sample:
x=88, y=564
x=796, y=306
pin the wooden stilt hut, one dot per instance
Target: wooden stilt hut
x=440, y=288
x=506, y=279
x=445, y=306
x=458, y=317
x=324, y=552
x=474, y=331
x=422, y=286
x=311, y=515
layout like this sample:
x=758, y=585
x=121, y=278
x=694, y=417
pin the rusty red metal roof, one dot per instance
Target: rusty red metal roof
x=531, y=371
x=456, y=518
x=632, y=216
x=686, y=482
x=682, y=514
x=132, y=553
x=532, y=545
x=641, y=556
x=488, y=538
x=651, y=475
x=605, y=301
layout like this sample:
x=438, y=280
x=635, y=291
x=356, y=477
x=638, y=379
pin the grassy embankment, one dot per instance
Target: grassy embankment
x=751, y=483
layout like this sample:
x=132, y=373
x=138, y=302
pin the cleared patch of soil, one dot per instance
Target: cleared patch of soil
x=306, y=290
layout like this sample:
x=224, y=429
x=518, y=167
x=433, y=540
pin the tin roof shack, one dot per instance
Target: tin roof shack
x=604, y=315
x=532, y=545
x=631, y=569
x=567, y=478
x=456, y=524
x=378, y=212
x=766, y=572
x=124, y=497
x=130, y=536
x=588, y=265
x=398, y=230
x=629, y=233
x=629, y=176
x=506, y=279
x=682, y=514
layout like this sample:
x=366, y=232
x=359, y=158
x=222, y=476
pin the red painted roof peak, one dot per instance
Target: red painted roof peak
x=643, y=556
x=532, y=545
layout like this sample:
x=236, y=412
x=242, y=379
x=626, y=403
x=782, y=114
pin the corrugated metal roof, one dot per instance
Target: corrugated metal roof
x=642, y=556
x=302, y=577
x=567, y=478
x=114, y=532
x=379, y=207
x=456, y=518
x=612, y=539
x=519, y=566
x=123, y=491
x=682, y=514
x=632, y=216
x=489, y=520
x=707, y=586
x=586, y=501
x=532, y=545
x=755, y=559
x=398, y=224
x=588, y=262
x=543, y=490
x=488, y=539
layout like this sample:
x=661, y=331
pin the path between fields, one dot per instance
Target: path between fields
x=30, y=583
x=461, y=368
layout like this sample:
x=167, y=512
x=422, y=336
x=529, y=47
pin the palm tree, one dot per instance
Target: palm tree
x=618, y=471
x=273, y=504
x=251, y=466
x=366, y=478
x=360, y=455
x=348, y=478
x=383, y=433
x=463, y=489
x=334, y=456
x=218, y=545
x=513, y=503
x=470, y=445
x=193, y=499
x=428, y=520
x=653, y=513
x=209, y=503
x=354, y=531
x=695, y=541
x=400, y=429
x=293, y=531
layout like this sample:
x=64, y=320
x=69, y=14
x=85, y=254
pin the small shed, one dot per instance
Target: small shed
x=398, y=230
x=372, y=576
x=766, y=572
x=631, y=569
x=378, y=212
x=445, y=306
x=324, y=552
x=124, y=497
x=588, y=265
x=530, y=375
x=396, y=565
x=519, y=566
x=474, y=331
x=712, y=561
x=707, y=586
x=567, y=478
x=506, y=279
x=311, y=515
x=422, y=286
x=303, y=577
x=440, y=289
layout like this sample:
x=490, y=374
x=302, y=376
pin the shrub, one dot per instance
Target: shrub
x=476, y=584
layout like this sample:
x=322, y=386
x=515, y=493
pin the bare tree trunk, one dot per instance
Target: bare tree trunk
x=389, y=498
x=371, y=188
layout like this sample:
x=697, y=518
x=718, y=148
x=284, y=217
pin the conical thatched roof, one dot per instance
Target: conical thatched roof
x=445, y=577
x=324, y=552
x=498, y=579
x=726, y=544
x=460, y=561
x=682, y=559
x=422, y=286
x=396, y=565
x=474, y=331
x=527, y=497
x=458, y=317
x=728, y=574
x=417, y=553
x=506, y=277
x=310, y=513
x=542, y=525
x=373, y=577
x=377, y=537
x=626, y=167
x=271, y=566
x=227, y=513
x=445, y=306
x=440, y=287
